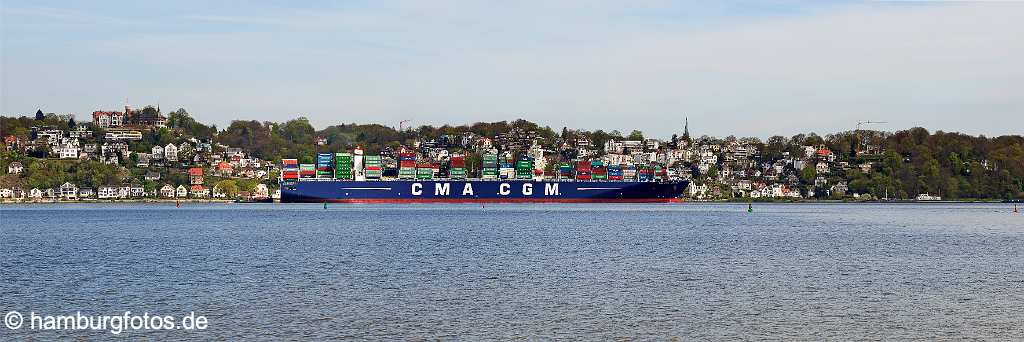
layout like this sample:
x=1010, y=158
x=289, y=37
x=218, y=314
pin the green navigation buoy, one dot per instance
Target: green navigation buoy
x=325, y=204
x=750, y=207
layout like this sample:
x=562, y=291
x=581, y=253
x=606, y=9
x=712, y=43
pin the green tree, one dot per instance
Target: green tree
x=46, y=174
x=228, y=187
x=808, y=174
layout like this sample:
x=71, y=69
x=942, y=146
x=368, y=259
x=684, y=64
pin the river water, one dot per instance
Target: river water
x=541, y=271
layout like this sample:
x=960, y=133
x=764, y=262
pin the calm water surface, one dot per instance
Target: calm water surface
x=466, y=272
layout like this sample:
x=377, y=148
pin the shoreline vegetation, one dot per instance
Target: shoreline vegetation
x=175, y=157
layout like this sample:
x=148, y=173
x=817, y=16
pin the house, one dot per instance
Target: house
x=68, y=151
x=115, y=148
x=261, y=191
x=171, y=153
x=821, y=167
x=182, y=191
x=85, y=193
x=15, y=168
x=218, y=192
x=12, y=142
x=108, y=119
x=820, y=182
x=840, y=188
x=167, y=191
x=112, y=160
x=90, y=148
x=106, y=192
x=123, y=135
x=825, y=154
x=152, y=175
x=68, y=191
x=223, y=169
x=195, y=176
x=143, y=160
x=35, y=194
x=199, y=191
x=865, y=167
x=124, y=191
x=15, y=193
x=157, y=152
x=697, y=190
x=137, y=190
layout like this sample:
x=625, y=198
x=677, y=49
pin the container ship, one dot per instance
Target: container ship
x=357, y=178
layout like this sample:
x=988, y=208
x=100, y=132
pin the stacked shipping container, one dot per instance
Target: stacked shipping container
x=289, y=169
x=457, y=167
x=490, y=166
x=343, y=165
x=324, y=165
x=373, y=167
x=524, y=168
x=583, y=170
x=407, y=165
x=307, y=170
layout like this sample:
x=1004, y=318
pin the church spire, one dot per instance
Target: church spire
x=686, y=129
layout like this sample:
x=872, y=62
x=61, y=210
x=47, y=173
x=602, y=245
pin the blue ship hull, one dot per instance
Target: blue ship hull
x=400, y=191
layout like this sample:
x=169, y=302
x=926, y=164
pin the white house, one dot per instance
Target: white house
x=157, y=152
x=15, y=168
x=137, y=190
x=821, y=167
x=106, y=192
x=68, y=191
x=199, y=191
x=261, y=191
x=35, y=193
x=68, y=151
x=171, y=152
x=167, y=191
x=218, y=192
x=182, y=191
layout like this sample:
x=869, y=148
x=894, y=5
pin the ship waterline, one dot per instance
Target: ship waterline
x=484, y=191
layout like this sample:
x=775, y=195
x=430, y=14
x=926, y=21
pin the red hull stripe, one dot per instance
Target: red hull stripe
x=502, y=200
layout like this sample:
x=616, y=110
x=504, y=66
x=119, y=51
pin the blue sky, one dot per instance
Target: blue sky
x=733, y=68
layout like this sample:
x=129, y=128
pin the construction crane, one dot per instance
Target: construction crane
x=866, y=122
x=857, y=134
x=401, y=124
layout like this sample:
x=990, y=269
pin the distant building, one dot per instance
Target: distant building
x=15, y=168
x=69, y=191
x=107, y=119
x=123, y=135
x=106, y=192
x=171, y=153
x=167, y=191
x=157, y=152
x=195, y=176
x=199, y=191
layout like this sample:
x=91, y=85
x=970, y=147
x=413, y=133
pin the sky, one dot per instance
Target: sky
x=757, y=68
